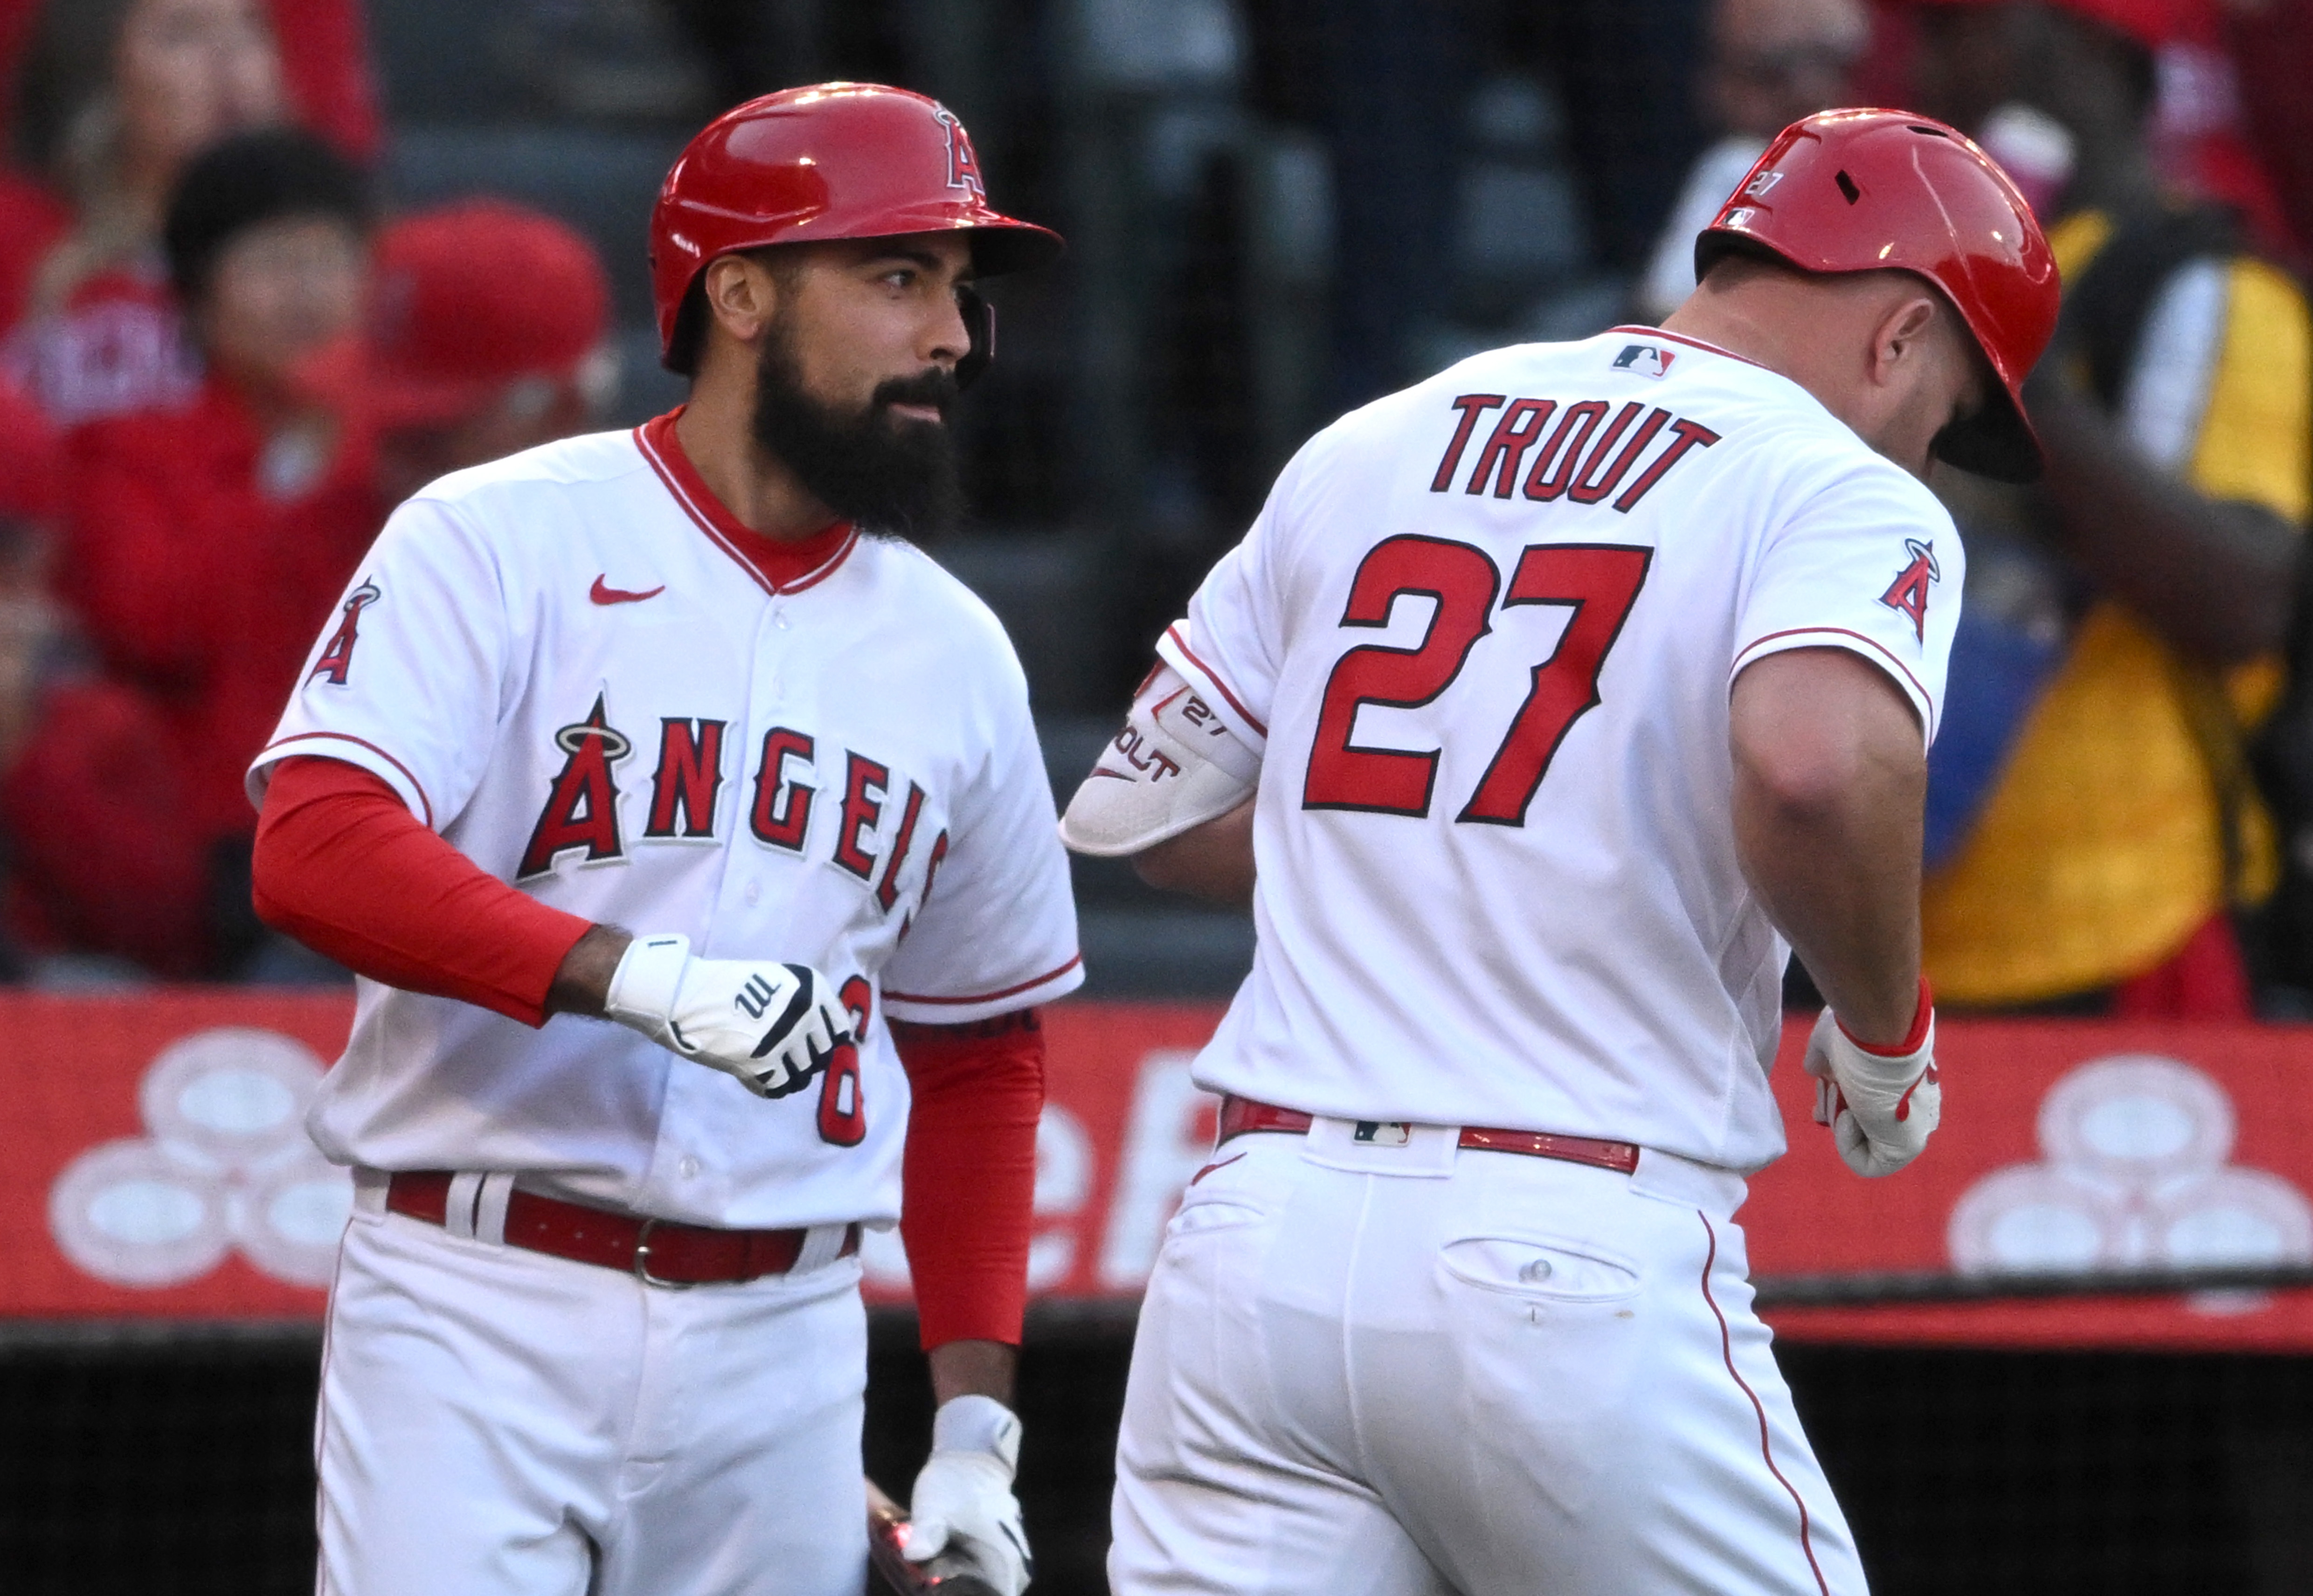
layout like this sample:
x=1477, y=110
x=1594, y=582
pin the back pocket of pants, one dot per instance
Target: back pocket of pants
x=1526, y=1266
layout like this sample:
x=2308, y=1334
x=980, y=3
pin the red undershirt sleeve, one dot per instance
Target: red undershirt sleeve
x=969, y=1172
x=344, y=867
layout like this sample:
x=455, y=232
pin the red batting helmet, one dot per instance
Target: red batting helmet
x=835, y=161
x=1865, y=191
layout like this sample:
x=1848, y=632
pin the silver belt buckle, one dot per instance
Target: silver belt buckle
x=642, y=1261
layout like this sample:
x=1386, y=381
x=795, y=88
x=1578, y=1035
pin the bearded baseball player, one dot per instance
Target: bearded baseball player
x=683, y=821
x=1571, y=689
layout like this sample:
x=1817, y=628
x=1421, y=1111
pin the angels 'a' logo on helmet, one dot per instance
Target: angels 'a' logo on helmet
x=963, y=165
x=1909, y=592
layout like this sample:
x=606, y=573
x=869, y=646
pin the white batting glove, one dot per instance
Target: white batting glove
x=773, y=1026
x=965, y=1492
x=1881, y=1106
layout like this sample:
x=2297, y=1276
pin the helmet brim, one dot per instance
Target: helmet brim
x=1000, y=244
x=1997, y=442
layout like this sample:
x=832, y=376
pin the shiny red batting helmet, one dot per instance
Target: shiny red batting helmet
x=834, y=161
x=1865, y=191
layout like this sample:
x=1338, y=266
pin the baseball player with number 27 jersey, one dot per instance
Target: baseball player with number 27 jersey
x=596, y=1326
x=1570, y=688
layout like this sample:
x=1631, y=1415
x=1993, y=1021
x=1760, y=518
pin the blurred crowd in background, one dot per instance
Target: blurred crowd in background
x=268, y=266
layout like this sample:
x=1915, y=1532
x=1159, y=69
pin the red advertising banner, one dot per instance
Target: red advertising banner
x=153, y=1164
x=2066, y=1146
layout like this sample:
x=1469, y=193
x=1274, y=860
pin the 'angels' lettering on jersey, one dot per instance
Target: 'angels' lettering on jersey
x=1586, y=456
x=582, y=807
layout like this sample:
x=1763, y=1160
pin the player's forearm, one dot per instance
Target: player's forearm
x=582, y=984
x=1829, y=782
x=973, y=1369
x=2216, y=579
x=1211, y=860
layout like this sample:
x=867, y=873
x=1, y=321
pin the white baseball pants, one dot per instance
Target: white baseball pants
x=1407, y=1370
x=494, y=1422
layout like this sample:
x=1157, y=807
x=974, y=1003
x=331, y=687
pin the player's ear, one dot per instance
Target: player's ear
x=1905, y=338
x=741, y=295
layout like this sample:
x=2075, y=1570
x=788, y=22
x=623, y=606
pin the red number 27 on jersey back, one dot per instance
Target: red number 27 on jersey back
x=1598, y=581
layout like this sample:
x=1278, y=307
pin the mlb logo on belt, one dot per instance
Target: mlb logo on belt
x=1649, y=360
x=1382, y=1133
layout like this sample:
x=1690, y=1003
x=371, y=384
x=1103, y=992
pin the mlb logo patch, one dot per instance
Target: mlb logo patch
x=1382, y=1133
x=1647, y=360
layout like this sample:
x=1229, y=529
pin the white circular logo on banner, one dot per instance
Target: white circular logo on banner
x=227, y=1163
x=2132, y=1176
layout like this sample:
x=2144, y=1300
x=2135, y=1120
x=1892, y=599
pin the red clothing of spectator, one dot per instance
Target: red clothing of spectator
x=325, y=62
x=32, y=220
x=324, y=47
x=200, y=588
x=2272, y=58
x=117, y=346
x=102, y=857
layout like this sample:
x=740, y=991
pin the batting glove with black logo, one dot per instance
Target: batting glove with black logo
x=772, y=1026
x=1881, y=1103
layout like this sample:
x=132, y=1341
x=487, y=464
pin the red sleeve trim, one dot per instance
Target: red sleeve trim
x=416, y=785
x=1029, y=986
x=1173, y=632
x=1877, y=647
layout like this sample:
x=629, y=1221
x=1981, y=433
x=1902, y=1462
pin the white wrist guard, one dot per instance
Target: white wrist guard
x=1174, y=766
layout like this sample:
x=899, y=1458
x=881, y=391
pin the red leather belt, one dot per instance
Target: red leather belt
x=658, y=1251
x=1240, y=1114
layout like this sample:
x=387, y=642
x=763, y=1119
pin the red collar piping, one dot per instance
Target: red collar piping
x=1657, y=332
x=779, y=567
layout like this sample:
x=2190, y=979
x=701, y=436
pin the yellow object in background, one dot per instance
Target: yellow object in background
x=2101, y=849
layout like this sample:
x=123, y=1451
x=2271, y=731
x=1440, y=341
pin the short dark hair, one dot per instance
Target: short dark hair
x=249, y=179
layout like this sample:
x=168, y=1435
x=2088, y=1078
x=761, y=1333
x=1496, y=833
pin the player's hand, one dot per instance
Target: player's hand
x=1881, y=1106
x=773, y=1026
x=965, y=1492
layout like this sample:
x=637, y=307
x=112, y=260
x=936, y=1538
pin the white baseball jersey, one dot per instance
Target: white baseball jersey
x=562, y=664
x=1483, y=634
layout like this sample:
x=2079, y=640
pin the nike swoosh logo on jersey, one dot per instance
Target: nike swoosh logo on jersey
x=601, y=592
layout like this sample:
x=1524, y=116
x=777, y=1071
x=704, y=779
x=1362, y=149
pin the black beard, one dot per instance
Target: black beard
x=886, y=473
